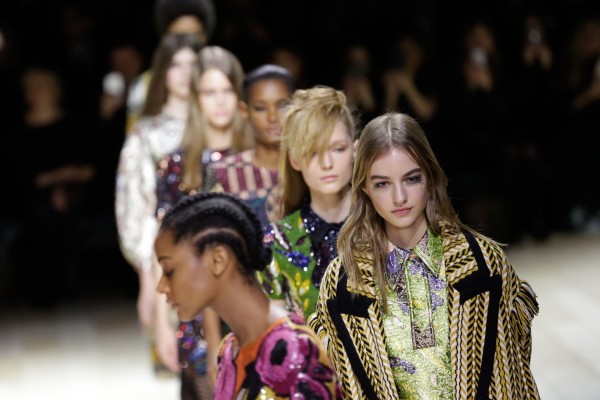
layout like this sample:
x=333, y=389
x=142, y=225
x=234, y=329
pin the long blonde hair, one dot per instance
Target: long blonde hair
x=306, y=129
x=194, y=137
x=364, y=229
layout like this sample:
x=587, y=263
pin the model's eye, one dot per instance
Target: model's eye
x=415, y=179
x=380, y=184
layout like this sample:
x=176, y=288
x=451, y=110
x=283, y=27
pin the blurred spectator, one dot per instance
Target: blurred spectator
x=291, y=58
x=584, y=121
x=358, y=83
x=528, y=169
x=242, y=31
x=78, y=42
x=477, y=113
x=56, y=171
x=409, y=81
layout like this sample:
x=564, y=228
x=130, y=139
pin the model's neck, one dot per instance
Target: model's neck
x=332, y=208
x=266, y=156
x=407, y=237
x=219, y=138
x=176, y=107
x=247, y=311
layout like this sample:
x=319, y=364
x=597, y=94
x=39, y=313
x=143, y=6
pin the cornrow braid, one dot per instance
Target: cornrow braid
x=229, y=221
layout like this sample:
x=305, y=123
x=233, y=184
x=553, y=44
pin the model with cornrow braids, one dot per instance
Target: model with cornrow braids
x=215, y=128
x=210, y=247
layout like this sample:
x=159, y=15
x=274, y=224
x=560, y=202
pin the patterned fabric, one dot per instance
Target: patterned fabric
x=169, y=187
x=192, y=346
x=135, y=194
x=491, y=311
x=416, y=323
x=286, y=362
x=303, y=245
x=251, y=183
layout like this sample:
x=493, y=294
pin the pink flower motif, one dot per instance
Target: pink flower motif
x=281, y=358
x=308, y=388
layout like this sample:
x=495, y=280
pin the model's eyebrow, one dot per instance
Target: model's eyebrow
x=383, y=177
x=161, y=258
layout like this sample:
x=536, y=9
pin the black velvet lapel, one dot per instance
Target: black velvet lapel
x=477, y=283
x=357, y=305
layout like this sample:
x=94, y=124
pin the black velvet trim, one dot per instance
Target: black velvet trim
x=470, y=287
x=357, y=306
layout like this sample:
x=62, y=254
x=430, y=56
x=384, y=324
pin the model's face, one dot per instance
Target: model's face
x=396, y=186
x=186, y=278
x=218, y=100
x=179, y=73
x=267, y=99
x=329, y=173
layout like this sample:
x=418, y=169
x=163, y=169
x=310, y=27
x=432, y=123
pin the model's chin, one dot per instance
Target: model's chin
x=183, y=316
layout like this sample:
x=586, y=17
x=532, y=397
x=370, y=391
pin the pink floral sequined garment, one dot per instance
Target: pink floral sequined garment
x=287, y=362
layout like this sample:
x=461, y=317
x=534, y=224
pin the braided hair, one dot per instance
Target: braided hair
x=209, y=218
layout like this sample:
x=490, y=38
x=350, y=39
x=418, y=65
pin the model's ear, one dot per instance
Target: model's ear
x=218, y=257
x=294, y=163
x=244, y=109
x=354, y=146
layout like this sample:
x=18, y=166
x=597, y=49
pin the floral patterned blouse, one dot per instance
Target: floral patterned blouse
x=416, y=324
x=287, y=362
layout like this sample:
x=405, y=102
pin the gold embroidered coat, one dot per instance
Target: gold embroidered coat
x=490, y=311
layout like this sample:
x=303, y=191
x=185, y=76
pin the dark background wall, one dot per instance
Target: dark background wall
x=76, y=38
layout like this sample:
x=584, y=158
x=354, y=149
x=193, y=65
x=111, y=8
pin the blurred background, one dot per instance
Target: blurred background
x=507, y=91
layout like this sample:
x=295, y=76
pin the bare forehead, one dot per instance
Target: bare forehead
x=395, y=161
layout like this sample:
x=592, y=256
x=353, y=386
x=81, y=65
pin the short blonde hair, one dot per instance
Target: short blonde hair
x=306, y=129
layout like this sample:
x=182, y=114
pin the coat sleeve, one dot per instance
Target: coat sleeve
x=135, y=201
x=520, y=306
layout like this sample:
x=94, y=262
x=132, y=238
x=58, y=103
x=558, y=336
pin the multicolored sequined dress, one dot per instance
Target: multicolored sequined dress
x=286, y=362
x=190, y=335
x=303, y=245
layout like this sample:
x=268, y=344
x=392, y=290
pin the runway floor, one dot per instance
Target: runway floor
x=94, y=350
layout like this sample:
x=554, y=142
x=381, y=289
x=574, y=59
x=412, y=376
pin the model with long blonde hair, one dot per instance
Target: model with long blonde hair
x=418, y=305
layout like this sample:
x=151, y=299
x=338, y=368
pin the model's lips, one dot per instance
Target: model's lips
x=173, y=305
x=401, y=212
x=273, y=131
x=329, y=178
